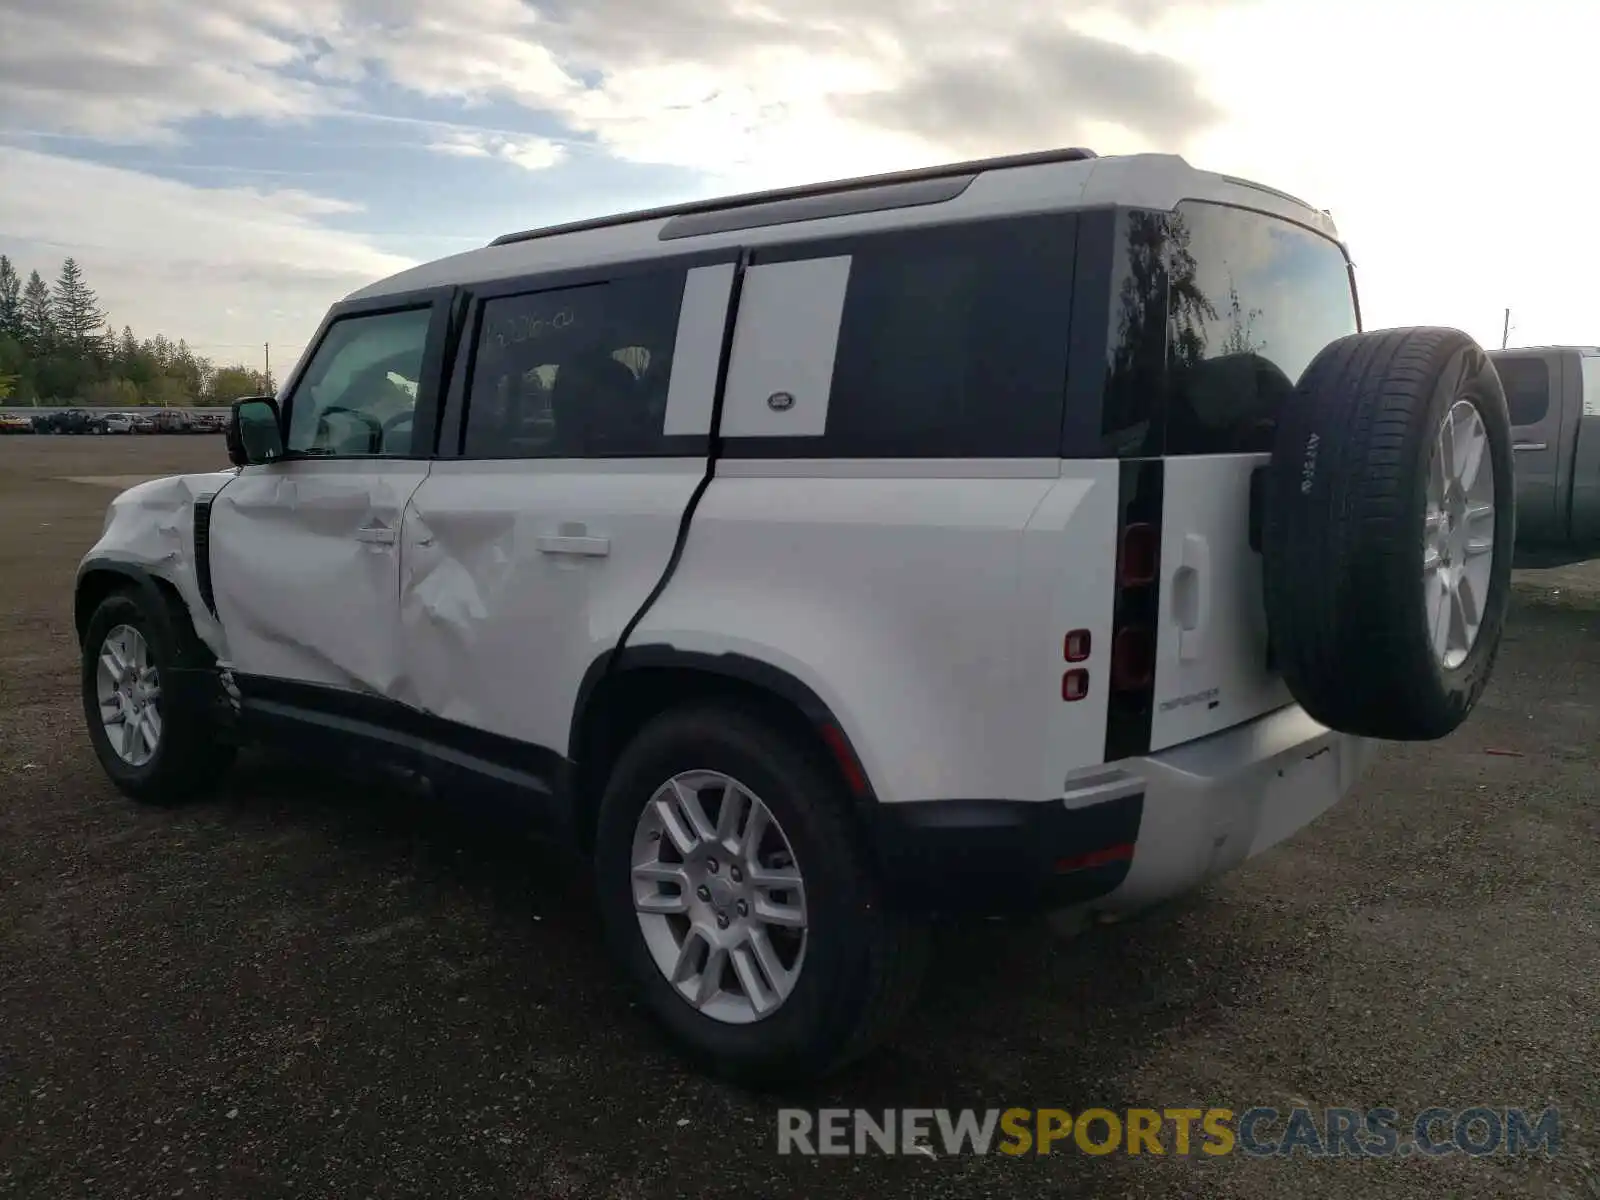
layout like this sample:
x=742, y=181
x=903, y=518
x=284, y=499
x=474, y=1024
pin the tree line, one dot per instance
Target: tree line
x=57, y=347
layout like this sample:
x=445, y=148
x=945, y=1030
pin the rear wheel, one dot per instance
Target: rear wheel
x=736, y=894
x=157, y=743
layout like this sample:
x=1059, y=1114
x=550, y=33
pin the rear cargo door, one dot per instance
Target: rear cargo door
x=1251, y=300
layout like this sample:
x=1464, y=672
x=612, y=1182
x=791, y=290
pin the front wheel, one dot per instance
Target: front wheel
x=736, y=893
x=157, y=744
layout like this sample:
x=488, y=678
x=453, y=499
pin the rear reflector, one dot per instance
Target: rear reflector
x=1123, y=852
x=1075, y=684
x=849, y=766
x=1077, y=646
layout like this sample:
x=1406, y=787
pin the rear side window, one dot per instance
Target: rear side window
x=1527, y=386
x=574, y=372
x=1252, y=299
x=951, y=343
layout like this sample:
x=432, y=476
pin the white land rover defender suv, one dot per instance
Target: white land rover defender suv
x=1023, y=533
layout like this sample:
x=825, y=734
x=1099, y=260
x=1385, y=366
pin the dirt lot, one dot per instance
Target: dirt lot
x=311, y=988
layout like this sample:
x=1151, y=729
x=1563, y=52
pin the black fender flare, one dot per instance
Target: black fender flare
x=153, y=591
x=742, y=668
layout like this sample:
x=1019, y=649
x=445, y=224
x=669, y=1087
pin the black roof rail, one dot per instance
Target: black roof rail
x=805, y=191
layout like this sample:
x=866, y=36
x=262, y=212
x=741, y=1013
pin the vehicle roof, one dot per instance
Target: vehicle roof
x=1048, y=181
x=1584, y=351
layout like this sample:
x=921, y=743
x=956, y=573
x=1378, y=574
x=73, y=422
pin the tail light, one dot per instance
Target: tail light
x=1139, y=556
x=1135, y=610
x=1133, y=658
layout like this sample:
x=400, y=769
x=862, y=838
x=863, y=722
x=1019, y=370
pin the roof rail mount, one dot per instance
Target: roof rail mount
x=804, y=191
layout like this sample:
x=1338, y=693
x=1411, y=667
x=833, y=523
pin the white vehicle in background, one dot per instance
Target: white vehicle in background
x=117, y=423
x=824, y=561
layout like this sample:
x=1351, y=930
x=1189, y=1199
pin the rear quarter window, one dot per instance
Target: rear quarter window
x=952, y=343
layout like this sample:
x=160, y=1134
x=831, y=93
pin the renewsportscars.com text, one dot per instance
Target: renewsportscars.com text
x=1255, y=1132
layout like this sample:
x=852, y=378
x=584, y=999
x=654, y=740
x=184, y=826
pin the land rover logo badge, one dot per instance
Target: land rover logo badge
x=780, y=401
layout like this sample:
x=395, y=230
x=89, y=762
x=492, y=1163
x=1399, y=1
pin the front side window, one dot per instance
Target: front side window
x=359, y=393
x=575, y=372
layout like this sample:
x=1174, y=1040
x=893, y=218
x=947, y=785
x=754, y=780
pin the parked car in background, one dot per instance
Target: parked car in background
x=14, y=423
x=70, y=420
x=143, y=423
x=118, y=423
x=170, y=420
x=1553, y=393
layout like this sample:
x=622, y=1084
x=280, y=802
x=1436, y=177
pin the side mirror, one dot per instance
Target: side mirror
x=255, y=431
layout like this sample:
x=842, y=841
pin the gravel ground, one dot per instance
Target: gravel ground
x=315, y=987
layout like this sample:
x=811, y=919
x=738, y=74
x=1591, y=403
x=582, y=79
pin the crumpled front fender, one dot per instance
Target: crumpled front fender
x=149, y=535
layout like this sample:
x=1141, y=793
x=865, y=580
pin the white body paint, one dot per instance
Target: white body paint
x=924, y=602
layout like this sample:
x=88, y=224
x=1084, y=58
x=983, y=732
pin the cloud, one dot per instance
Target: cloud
x=916, y=77
x=529, y=153
x=174, y=258
x=741, y=85
x=130, y=69
x=1037, y=93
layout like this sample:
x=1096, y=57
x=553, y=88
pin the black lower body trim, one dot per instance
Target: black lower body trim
x=980, y=857
x=338, y=724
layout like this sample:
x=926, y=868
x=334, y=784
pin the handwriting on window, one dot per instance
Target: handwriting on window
x=530, y=327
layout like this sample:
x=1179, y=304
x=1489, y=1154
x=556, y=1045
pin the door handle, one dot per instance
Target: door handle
x=1191, y=595
x=573, y=543
x=1530, y=446
x=375, y=535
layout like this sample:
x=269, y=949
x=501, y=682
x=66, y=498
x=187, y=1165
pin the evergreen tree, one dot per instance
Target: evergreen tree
x=38, y=321
x=76, y=308
x=10, y=300
x=56, y=347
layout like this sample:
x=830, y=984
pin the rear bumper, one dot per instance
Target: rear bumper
x=1126, y=835
x=1220, y=801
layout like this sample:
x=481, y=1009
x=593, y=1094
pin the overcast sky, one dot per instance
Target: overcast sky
x=225, y=169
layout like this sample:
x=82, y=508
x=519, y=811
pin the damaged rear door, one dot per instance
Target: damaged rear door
x=305, y=552
x=576, y=435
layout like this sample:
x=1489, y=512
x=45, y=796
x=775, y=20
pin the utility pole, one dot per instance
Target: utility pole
x=1505, y=331
x=266, y=349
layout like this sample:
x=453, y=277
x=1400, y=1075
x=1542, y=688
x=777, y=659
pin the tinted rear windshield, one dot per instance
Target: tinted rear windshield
x=1219, y=310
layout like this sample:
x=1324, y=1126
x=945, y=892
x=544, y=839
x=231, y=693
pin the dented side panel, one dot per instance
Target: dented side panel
x=305, y=568
x=152, y=526
x=516, y=574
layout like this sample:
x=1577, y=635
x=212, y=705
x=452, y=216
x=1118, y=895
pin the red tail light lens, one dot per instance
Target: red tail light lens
x=1075, y=684
x=1077, y=644
x=1133, y=658
x=1140, y=551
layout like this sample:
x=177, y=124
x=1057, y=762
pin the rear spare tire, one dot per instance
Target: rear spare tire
x=1388, y=528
